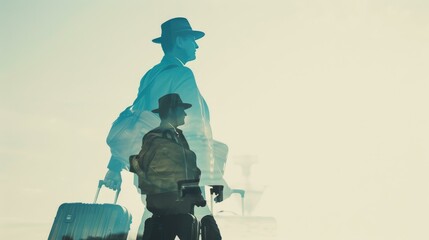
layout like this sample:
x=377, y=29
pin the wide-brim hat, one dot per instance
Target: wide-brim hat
x=170, y=101
x=175, y=27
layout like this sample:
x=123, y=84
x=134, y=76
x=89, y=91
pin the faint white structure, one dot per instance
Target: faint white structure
x=228, y=215
x=254, y=191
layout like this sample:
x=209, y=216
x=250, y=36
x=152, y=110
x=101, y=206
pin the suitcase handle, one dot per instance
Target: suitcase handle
x=241, y=192
x=100, y=184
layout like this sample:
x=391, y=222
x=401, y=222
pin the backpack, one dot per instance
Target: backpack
x=162, y=162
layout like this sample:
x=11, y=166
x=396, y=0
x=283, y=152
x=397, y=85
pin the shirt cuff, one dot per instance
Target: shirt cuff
x=115, y=165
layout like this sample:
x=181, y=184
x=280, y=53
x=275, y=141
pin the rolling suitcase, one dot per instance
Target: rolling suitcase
x=82, y=221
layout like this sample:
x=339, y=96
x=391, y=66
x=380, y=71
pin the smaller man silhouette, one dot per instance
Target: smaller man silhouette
x=166, y=159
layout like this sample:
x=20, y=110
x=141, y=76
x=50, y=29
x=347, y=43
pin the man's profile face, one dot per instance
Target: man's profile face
x=189, y=47
x=179, y=115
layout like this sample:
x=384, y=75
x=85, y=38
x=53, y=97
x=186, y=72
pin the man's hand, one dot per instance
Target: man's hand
x=227, y=191
x=113, y=180
x=222, y=192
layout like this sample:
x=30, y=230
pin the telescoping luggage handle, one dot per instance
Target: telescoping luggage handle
x=241, y=192
x=100, y=184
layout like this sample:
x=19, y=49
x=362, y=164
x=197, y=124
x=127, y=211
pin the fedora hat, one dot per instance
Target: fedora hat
x=177, y=26
x=170, y=101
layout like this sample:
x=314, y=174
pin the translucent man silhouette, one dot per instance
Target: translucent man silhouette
x=178, y=42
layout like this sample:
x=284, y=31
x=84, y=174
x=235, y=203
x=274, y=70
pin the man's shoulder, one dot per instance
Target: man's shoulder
x=177, y=69
x=166, y=71
x=159, y=136
x=158, y=132
x=154, y=132
x=171, y=65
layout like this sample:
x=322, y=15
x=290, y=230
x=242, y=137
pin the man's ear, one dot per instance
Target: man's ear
x=171, y=113
x=179, y=41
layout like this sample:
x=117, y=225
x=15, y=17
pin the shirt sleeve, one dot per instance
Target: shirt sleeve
x=115, y=165
x=197, y=129
x=197, y=121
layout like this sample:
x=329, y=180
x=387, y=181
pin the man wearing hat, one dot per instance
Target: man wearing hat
x=164, y=160
x=178, y=42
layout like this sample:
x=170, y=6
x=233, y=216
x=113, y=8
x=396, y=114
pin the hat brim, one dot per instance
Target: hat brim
x=196, y=34
x=185, y=106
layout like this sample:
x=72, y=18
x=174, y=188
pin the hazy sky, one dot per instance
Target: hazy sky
x=329, y=96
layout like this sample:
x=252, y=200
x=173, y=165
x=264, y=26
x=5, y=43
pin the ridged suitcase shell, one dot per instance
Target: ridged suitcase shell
x=81, y=221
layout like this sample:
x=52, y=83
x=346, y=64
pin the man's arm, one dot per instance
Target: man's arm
x=197, y=130
x=197, y=122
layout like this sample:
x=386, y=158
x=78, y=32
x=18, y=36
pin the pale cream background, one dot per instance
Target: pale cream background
x=330, y=96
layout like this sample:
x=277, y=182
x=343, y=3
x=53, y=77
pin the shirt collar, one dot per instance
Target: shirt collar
x=180, y=61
